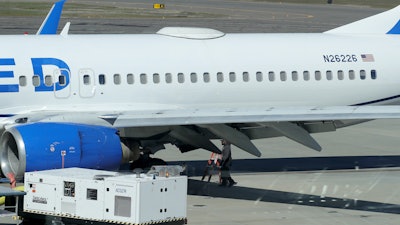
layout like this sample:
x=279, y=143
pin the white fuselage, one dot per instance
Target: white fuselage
x=160, y=72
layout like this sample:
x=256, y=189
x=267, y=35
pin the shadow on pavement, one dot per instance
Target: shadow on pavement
x=201, y=188
x=196, y=168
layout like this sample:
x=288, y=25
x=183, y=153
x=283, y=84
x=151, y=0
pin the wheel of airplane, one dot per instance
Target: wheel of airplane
x=145, y=162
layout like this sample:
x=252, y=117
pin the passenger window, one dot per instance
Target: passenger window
x=363, y=75
x=22, y=81
x=306, y=75
x=340, y=75
x=86, y=79
x=283, y=76
x=156, y=78
x=117, y=79
x=220, y=77
x=193, y=77
x=271, y=76
x=102, y=79
x=48, y=80
x=232, y=77
x=168, y=78
x=36, y=81
x=181, y=78
x=206, y=77
x=329, y=75
x=373, y=74
x=62, y=80
x=143, y=78
x=318, y=75
x=129, y=78
x=352, y=75
x=295, y=76
x=246, y=77
x=259, y=76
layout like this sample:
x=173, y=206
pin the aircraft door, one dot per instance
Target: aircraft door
x=62, y=86
x=87, y=87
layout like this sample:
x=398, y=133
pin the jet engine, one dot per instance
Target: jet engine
x=42, y=146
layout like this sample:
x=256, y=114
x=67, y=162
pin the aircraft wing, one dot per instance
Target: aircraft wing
x=195, y=127
x=193, y=116
x=240, y=126
x=251, y=115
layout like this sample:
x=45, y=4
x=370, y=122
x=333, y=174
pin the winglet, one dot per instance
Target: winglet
x=50, y=24
x=65, y=30
x=384, y=23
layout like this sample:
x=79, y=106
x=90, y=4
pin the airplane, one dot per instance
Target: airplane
x=97, y=101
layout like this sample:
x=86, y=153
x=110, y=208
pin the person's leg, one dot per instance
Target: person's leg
x=231, y=182
x=224, y=176
x=224, y=182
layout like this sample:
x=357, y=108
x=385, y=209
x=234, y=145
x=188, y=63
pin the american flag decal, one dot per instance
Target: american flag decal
x=367, y=58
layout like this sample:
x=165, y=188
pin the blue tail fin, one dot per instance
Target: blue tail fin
x=50, y=24
x=395, y=29
x=384, y=23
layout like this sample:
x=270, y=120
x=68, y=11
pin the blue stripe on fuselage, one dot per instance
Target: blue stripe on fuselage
x=377, y=101
x=395, y=29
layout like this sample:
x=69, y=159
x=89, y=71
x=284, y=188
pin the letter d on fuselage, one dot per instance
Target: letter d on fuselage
x=61, y=73
x=56, y=68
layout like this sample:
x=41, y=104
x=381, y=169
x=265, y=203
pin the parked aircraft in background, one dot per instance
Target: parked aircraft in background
x=97, y=101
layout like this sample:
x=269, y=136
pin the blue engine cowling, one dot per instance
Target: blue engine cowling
x=42, y=146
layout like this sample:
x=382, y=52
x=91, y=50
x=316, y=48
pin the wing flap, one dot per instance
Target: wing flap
x=235, y=137
x=253, y=115
x=193, y=138
x=295, y=133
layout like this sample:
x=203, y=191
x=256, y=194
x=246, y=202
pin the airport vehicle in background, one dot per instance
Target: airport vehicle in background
x=97, y=101
x=85, y=196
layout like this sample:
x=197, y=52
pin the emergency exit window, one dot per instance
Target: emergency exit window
x=62, y=80
x=86, y=79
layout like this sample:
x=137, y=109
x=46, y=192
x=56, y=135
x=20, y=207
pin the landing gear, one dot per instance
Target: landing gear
x=145, y=162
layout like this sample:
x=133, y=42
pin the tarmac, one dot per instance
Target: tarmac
x=230, y=16
x=354, y=180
